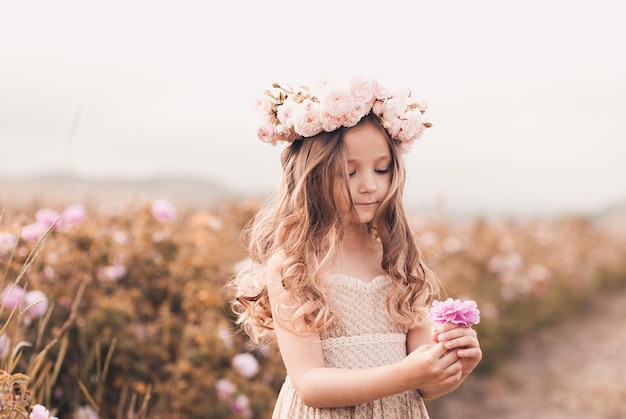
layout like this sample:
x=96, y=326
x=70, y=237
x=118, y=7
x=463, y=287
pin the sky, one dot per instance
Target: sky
x=527, y=99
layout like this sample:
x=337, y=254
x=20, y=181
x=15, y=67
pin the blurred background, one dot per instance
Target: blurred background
x=135, y=121
x=526, y=98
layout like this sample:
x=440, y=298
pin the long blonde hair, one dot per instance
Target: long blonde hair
x=301, y=223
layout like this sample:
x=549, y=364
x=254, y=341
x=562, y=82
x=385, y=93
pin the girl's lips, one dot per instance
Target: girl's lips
x=365, y=204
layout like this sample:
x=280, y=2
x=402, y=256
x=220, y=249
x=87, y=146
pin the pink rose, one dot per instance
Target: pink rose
x=307, y=123
x=381, y=92
x=378, y=108
x=465, y=313
x=285, y=112
x=355, y=115
x=336, y=102
x=362, y=90
x=266, y=133
x=264, y=104
x=331, y=123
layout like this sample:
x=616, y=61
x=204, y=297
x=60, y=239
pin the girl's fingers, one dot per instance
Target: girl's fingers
x=456, y=333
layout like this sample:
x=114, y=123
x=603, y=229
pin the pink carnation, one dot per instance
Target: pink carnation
x=465, y=313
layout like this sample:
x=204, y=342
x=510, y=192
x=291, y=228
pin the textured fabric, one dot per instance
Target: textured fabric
x=366, y=336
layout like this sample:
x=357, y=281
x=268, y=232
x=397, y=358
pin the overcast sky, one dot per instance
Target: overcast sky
x=527, y=98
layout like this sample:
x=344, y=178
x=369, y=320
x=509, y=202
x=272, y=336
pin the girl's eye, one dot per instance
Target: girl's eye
x=350, y=174
x=382, y=171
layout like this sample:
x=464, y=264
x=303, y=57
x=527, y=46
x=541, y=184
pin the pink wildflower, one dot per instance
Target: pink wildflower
x=12, y=296
x=85, y=412
x=225, y=389
x=32, y=232
x=73, y=214
x=36, y=302
x=46, y=217
x=246, y=365
x=465, y=313
x=8, y=242
x=163, y=210
x=40, y=412
x=241, y=405
x=112, y=273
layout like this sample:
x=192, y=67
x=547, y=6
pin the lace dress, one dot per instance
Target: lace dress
x=366, y=337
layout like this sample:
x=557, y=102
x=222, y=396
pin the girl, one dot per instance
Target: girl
x=337, y=277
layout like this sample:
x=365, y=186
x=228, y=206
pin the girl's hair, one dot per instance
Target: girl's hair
x=298, y=228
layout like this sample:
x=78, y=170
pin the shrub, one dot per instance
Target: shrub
x=138, y=322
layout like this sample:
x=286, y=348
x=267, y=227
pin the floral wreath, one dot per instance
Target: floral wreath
x=292, y=114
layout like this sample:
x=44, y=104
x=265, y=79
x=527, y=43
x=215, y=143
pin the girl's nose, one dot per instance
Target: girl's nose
x=367, y=185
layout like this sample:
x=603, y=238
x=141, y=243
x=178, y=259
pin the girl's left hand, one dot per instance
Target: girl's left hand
x=463, y=340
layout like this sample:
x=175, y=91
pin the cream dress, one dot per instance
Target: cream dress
x=366, y=337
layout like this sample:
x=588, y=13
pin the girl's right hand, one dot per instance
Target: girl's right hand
x=433, y=370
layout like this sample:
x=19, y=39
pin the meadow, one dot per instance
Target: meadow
x=119, y=309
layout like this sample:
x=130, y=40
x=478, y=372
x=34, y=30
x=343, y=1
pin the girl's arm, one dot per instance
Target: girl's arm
x=461, y=341
x=319, y=386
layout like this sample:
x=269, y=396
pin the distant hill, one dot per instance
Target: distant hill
x=67, y=189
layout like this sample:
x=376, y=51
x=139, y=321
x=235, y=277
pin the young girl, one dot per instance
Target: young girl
x=337, y=277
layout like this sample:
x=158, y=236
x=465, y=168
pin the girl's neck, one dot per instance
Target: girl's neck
x=356, y=236
x=359, y=255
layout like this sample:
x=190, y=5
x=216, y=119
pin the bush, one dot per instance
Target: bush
x=138, y=322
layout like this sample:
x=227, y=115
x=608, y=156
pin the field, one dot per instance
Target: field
x=117, y=308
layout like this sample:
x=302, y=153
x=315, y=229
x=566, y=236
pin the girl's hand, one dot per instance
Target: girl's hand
x=461, y=340
x=431, y=368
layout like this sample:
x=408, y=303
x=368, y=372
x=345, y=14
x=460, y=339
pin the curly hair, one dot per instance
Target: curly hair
x=299, y=226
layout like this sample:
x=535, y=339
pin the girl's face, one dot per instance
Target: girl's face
x=369, y=167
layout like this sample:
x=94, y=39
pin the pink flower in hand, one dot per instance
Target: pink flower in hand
x=465, y=313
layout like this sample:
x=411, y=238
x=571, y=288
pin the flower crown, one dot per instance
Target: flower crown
x=292, y=114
